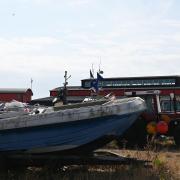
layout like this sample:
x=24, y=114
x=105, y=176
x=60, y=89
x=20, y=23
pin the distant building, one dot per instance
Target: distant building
x=119, y=86
x=18, y=94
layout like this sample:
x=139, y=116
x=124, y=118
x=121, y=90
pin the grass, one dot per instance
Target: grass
x=163, y=154
x=164, y=166
x=81, y=173
x=156, y=170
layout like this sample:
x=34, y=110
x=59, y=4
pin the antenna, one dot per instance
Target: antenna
x=100, y=71
x=31, y=83
x=99, y=64
x=66, y=78
x=92, y=69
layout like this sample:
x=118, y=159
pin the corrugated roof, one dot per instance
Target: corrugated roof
x=138, y=77
x=14, y=90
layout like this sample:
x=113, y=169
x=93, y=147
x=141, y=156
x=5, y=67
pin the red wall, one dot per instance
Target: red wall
x=79, y=92
x=73, y=93
x=53, y=93
x=22, y=97
x=162, y=91
x=117, y=92
x=168, y=91
x=87, y=92
x=8, y=97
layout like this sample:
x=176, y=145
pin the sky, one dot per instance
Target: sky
x=41, y=39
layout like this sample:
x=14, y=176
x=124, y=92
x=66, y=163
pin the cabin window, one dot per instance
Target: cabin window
x=167, y=105
x=178, y=103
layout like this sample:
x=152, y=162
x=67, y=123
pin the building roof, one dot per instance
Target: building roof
x=174, y=78
x=50, y=98
x=14, y=90
x=139, y=77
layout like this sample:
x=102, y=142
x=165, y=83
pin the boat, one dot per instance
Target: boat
x=80, y=127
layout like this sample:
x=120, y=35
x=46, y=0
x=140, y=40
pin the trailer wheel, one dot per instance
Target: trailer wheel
x=177, y=136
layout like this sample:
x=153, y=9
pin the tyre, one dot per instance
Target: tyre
x=177, y=136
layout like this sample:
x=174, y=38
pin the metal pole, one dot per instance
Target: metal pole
x=31, y=83
x=65, y=88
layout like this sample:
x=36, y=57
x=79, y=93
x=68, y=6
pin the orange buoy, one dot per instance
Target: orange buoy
x=162, y=127
x=151, y=127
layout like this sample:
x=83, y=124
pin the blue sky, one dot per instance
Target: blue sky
x=40, y=39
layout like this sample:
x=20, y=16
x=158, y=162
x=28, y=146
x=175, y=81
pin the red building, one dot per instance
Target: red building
x=120, y=86
x=166, y=85
x=9, y=94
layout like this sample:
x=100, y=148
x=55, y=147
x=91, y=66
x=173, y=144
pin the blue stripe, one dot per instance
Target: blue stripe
x=74, y=133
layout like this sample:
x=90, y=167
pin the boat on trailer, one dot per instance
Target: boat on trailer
x=69, y=128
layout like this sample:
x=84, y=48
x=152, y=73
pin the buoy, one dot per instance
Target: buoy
x=162, y=127
x=151, y=127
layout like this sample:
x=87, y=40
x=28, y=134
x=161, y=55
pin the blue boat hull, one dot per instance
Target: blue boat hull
x=64, y=136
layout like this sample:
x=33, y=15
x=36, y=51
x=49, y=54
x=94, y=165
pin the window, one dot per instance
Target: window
x=133, y=82
x=168, y=105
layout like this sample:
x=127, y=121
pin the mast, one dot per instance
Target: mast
x=31, y=83
x=65, y=88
